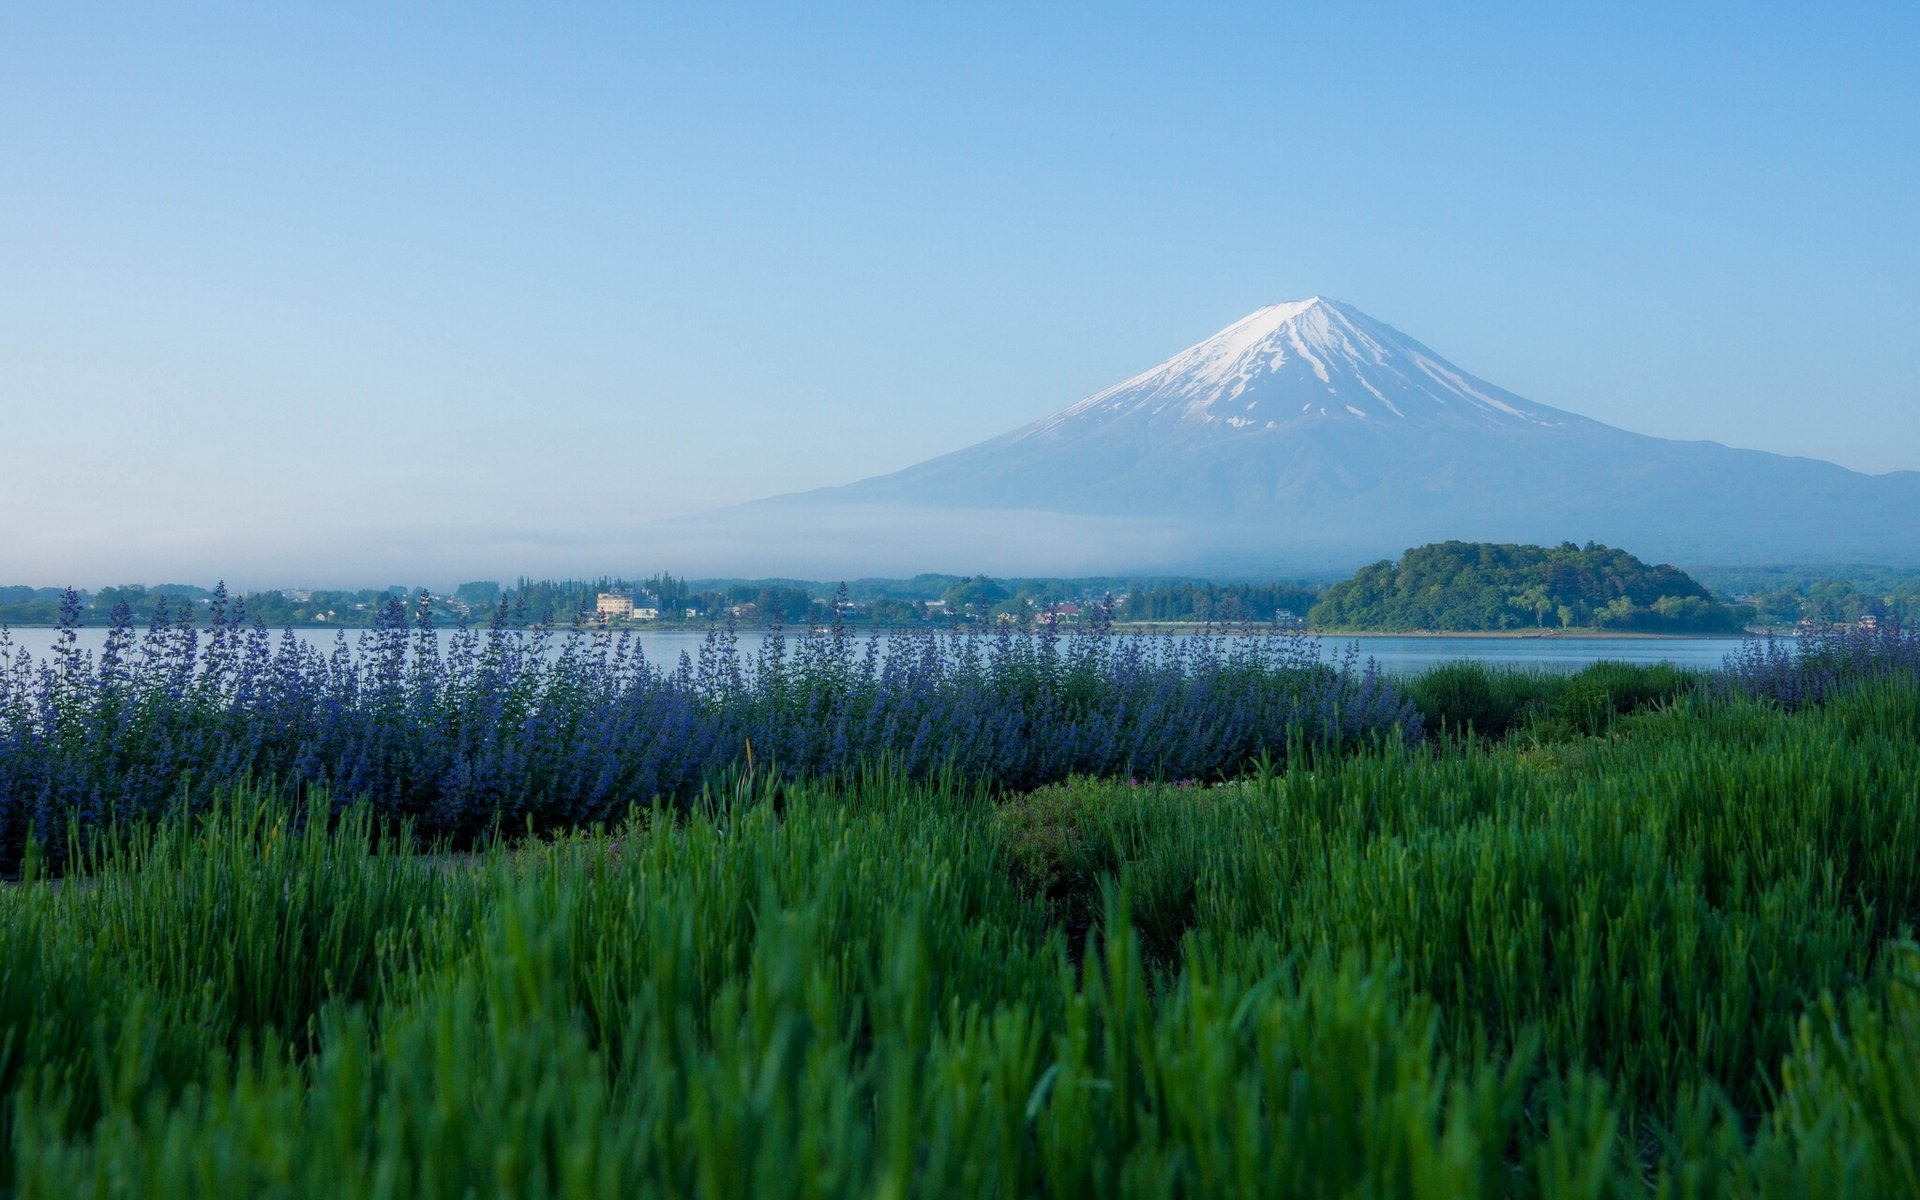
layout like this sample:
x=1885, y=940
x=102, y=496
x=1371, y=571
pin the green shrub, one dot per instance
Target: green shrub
x=1467, y=696
x=1493, y=702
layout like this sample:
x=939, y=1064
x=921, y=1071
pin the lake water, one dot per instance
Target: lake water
x=1399, y=655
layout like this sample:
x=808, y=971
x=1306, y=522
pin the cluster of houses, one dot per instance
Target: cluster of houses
x=619, y=606
x=1815, y=625
x=624, y=606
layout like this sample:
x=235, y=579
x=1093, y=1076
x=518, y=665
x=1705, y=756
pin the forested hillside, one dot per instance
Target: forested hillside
x=1465, y=586
x=1218, y=602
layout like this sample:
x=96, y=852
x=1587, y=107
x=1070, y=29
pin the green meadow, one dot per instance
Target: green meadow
x=1603, y=937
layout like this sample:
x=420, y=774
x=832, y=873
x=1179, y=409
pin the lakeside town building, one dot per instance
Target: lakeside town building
x=621, y=606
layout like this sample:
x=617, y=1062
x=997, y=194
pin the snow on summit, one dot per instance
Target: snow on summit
x=1297, y=362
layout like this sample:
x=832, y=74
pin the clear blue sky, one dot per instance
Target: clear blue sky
x=370, y=292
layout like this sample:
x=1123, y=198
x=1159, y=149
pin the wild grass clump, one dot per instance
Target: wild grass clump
x=526, y=729
x=1473, y=699
x=1662, y=907
x=1673, y=960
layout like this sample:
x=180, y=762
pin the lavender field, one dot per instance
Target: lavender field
x=517, y=730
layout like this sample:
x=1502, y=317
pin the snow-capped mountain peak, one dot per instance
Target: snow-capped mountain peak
x=1309, y=434
x=1304, y=360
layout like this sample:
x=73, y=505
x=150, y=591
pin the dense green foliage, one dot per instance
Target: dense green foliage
x=1469, y=698
x=347, y=607
x=1489, y=586
x=21, y=605
x=1219, y=602
x=1783, y=596
x=1668, y=960
x=920, y=600
x=1779, y=596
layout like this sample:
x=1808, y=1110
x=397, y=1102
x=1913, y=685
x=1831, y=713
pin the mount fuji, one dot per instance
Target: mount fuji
x=1309, y=436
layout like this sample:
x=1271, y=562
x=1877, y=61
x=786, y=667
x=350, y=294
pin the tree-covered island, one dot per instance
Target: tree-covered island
x=1482, y=586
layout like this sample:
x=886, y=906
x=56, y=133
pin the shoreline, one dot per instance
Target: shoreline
x=1195, y=628
x=1182, y=628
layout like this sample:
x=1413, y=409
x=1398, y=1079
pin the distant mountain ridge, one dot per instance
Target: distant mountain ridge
x=1308, y=434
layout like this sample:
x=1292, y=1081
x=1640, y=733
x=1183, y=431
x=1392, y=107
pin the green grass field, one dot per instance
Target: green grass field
x=1656, y=952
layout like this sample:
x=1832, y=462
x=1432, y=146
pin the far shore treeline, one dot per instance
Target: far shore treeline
x=1451, y=586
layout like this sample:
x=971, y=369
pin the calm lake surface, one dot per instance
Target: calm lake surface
x=1399, y=655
